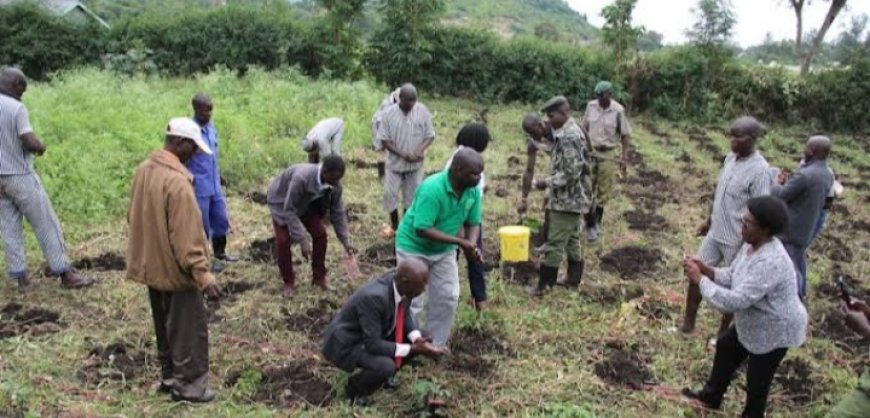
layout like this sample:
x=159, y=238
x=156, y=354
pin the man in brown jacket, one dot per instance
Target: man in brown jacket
x=167, y=251
x=298, y=200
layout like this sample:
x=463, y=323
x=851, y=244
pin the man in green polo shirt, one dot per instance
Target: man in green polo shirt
x=445, y=213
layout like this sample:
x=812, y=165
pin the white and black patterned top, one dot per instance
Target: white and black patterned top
x=739, y=181
x=760, y=289
x=14, y=122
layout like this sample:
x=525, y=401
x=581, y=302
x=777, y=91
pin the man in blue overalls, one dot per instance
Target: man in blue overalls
x=208, y=182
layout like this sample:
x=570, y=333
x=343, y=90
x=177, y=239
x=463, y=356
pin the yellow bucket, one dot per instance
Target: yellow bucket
x=514, y=243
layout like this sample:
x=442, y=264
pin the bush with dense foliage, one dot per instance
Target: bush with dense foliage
x=685, y=82
x=40, y=43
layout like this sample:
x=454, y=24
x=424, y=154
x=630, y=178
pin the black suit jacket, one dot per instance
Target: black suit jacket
x=366, y=321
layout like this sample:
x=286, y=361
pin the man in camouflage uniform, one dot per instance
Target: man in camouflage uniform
x=570, y=194
x=607, y=125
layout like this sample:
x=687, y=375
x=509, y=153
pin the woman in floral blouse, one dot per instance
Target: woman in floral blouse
x=760, y=289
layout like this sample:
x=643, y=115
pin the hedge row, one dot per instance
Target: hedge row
x=681, y=82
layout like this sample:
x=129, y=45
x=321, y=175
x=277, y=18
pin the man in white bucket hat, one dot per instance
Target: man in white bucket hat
x=167, y=251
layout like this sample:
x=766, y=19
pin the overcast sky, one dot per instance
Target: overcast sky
x=755, y=18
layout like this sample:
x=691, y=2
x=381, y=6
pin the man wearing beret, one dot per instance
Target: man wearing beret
x=607, y=125
x=570, y=194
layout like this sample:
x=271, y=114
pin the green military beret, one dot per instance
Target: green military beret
x=603, y=86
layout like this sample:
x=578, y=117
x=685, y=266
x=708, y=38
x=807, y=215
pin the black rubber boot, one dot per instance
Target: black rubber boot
x=546, y=280
x=219, y=244
x=575, y=273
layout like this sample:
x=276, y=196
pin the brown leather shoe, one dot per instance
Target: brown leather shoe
x=288, y=292
x=71, y=280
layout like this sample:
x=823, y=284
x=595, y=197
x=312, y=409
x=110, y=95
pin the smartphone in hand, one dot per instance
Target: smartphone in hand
x=844, y=292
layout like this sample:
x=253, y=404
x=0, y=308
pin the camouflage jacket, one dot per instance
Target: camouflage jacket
x=570, y=180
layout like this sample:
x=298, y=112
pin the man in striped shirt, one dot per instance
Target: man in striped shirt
x=405, y=131
x=744, y=175
x=21, y=192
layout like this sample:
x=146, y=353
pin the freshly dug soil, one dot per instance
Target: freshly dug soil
x=105, y=262
x=613, y=294
x=314, y=320
x=380, y=254
x=263, y=251
x=705, y=143
x=795, y=375
x=656, y=310
x=623, y=367
x=643, y=221
x=117, y=361
x=15, y=319
x=287, y=385
x=476, y=351
x=633, y=263
x=514, y=161
x=523, y=273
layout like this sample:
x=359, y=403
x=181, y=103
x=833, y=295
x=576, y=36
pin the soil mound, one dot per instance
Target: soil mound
x=115, y=362
x=476, y=350
x=314, y=320
x=623, y=366
x=633, y=263
x=105, y=262
x=15, y=320
x=380, y=254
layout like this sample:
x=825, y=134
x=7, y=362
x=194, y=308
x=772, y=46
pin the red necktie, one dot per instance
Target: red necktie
x=400, y=330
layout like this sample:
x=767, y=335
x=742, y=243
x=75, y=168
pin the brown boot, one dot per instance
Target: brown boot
x=480, y=305
x=693, y=300
x=72, y=280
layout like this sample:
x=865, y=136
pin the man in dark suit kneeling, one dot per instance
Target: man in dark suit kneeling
x=374, y=330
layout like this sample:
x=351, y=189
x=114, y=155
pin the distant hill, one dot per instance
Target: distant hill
x=552, y=19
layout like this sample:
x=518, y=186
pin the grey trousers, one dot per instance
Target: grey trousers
x=181, y=326
x=441, y=297
x=22, y=196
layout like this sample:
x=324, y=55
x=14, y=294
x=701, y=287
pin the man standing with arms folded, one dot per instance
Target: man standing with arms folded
x=405, y=131
x=744, y=175
x=608, y=127
x=446, y=213
x=21, y=192
x=168, y=252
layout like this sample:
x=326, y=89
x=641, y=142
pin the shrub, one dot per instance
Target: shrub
x=40, y=43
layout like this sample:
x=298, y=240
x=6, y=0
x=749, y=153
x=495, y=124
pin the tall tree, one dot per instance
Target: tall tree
x=618, y=33
x=807, y=54
x=714, y=22
x=342, y=14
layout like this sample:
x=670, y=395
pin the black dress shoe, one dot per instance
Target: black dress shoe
x=701, y=397
x=392, y=383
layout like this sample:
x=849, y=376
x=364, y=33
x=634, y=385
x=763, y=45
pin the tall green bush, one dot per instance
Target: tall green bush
x=40, y=43
x=235, y=37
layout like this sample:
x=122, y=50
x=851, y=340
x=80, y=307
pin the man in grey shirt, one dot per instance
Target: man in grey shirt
x=21, y=192
x=405, y=131
x=805, y=193
x=298, y=199
x=744, y=175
